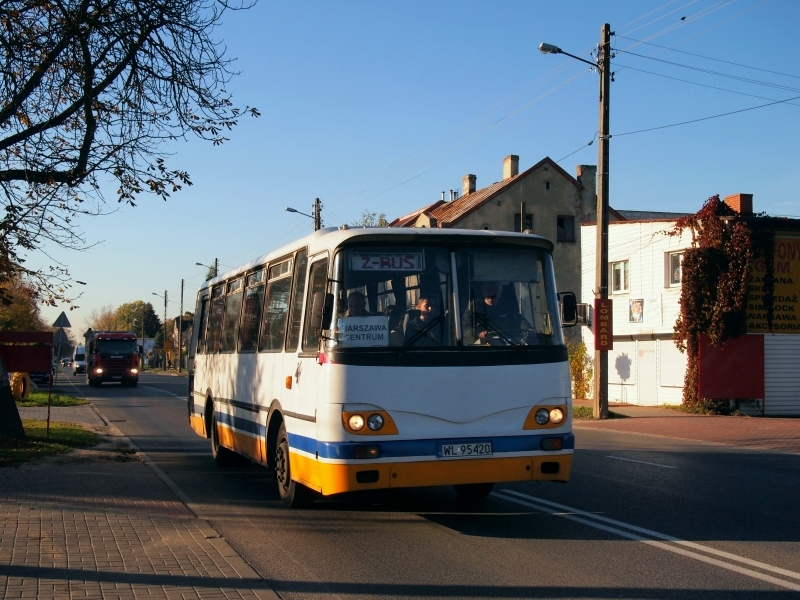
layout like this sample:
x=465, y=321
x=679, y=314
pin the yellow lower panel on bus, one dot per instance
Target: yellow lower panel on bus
x=328, y=478
x=198, y=424
x=241, y=443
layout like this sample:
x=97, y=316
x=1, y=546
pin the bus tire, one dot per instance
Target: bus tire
x=221, y=455
x=292, y=494
x=474, y=491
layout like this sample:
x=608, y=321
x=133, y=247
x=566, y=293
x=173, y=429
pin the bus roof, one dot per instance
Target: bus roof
x=331, y=237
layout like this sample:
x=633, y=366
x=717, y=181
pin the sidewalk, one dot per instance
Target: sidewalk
x=99, y=523
x=781, y=435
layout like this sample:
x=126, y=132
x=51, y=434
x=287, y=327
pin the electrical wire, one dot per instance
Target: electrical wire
x=733, y=112
x=591, y=141
x=705, y=85
x=727, y=62
x=716, y=73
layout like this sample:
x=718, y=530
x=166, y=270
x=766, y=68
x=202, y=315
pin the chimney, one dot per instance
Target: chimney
x=469, y=183
x=510, y=166
x=741, y=203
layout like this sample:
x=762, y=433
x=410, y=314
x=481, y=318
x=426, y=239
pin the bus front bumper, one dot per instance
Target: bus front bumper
x=335, y=478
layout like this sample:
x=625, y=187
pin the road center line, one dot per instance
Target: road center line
x=570, y=513
x=147, y=387
x=642, y=462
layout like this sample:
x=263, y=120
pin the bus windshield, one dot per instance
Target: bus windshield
x=443, y=296
x=116, y=346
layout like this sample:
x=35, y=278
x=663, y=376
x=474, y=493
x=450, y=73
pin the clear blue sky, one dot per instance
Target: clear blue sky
x=382, y=105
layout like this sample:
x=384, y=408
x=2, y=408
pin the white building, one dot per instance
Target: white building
x=645, y=367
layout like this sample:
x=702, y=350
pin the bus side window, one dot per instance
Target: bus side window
x=298, y=292
x=215, y=319
x=202, y=314
x=233, y=310
x=317, y=283
x=251, y=315
x=273, y=329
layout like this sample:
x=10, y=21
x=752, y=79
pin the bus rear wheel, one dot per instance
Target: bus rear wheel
x=474, y=491
x=292, y=494
x=221, y=455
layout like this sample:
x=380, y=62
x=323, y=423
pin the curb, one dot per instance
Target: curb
x=236, y=562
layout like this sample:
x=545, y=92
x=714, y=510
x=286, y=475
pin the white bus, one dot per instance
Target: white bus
x=357, y=359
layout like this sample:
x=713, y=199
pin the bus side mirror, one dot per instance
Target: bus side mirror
x=569, y=309
x=321, y=308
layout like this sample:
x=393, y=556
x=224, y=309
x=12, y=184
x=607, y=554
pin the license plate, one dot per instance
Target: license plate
x=116, y=377
x=470, y=449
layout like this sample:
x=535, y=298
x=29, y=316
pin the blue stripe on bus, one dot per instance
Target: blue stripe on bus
x=242, y=424
x=409, y=448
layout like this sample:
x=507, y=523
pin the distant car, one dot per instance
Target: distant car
x=65, y=362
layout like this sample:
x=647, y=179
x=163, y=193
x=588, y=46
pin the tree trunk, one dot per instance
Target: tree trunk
x=10, y=422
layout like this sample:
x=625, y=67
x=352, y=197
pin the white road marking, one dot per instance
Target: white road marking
x=641, y=462
x=147, y=387
x=570, y=513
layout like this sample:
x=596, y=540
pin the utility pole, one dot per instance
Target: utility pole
x=164, y=345
x=180, y=331
x=216, y=267
x=600, y=408
x=317, y=215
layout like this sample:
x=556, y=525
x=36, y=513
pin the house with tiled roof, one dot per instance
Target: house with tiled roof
x=544, y=199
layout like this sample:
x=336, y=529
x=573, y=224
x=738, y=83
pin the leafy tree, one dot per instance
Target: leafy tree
x=20, y=311
x=103, y=318
x=371, y=219
x=129, y=317
x=92, y=91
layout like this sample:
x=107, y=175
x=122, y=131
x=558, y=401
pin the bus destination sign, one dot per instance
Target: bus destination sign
x=386, y=261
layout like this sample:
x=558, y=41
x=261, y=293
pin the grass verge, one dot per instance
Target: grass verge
x=58, y=398
x=63, y=438
x=586, y=413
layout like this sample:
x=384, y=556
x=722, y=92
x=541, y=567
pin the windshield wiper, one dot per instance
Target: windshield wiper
x=489, y=324
x=420, y=332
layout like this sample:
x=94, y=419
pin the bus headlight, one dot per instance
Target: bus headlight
x=542, y=416
x=556, y=415
x=356, y=422
x=375, y=422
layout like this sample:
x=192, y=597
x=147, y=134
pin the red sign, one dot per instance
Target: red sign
x=603, y=325
x=733, y=370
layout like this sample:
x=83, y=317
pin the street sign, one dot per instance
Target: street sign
x=603, y=325
x=62, y=321
x=60, y=337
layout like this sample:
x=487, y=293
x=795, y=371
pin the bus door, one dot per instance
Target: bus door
x=302, y=365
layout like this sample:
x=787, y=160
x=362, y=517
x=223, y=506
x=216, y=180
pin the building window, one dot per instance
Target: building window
x=620, y=276
x=675, y=266
x=565, y=229
x=528, y=223
x=547, y=185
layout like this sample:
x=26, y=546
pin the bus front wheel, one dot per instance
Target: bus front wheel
x=292, y=494
x=474, y=491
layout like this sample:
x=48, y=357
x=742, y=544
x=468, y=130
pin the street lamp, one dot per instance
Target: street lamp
x=215, y=267
x=317, y=216
x=164, y=345
x=602, y=303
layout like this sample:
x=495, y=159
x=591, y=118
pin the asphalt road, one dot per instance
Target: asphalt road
x=643, y=517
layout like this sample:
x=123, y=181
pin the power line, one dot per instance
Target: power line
x=733, y=112
x=705, y=85
x=717, y=73
x=591, y=141
x=727, y=62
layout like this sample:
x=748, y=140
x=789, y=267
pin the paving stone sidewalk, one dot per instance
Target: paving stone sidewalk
x=83, y=413
x=777, y=434
x=98, y=523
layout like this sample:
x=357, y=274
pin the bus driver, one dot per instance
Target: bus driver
x=494, y=322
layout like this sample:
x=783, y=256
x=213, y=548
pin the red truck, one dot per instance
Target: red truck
x=111, y=356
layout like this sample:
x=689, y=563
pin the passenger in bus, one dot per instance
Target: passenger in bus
x=395, y=315
x=356, y=305
x=422, y=330
x=491, y=319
